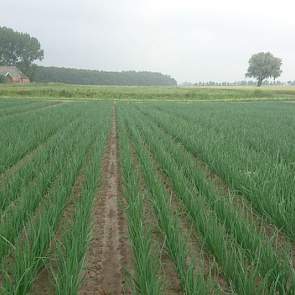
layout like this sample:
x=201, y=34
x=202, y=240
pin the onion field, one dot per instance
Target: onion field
x=159, y=197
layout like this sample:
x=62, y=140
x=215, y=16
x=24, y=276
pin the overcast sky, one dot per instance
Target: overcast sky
x=190, y=40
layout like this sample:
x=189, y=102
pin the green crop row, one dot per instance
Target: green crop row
x=187, y=163
x=146, y=278
x=274, y=267
x=29, y=249
x=71, y=251
x=23, y=195
x=265, y=176
x=192, y=280
x=5, y=104
x=22, y=134
x=21, y=108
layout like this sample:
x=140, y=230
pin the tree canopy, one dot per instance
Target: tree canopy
x=91, y=77
x=19, y=49
x=264, y=65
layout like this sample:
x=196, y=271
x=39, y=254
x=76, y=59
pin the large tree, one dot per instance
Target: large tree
x=264, y=65
x=19, y=49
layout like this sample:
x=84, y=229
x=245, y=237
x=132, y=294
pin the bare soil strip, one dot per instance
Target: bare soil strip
x=107, y=253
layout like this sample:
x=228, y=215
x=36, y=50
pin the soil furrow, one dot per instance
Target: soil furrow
x=107, y=252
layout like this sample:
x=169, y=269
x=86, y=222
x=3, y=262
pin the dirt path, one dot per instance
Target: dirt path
x=107, y=254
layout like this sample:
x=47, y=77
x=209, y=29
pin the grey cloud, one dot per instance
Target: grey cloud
x=190, y=40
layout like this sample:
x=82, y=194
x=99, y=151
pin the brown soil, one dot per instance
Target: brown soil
x=107, y=252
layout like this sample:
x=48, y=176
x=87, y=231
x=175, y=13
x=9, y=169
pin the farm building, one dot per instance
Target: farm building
x=13, y=75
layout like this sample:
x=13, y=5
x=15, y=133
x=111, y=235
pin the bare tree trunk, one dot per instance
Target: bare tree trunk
x=259, y=82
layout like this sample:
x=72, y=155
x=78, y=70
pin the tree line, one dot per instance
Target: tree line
x=240, y=83
x=92, y=77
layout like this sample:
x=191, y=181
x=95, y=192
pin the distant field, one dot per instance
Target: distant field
x=120, y=197
x=62, y=91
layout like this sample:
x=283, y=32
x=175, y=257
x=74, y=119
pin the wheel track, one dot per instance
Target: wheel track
x=108, y=249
